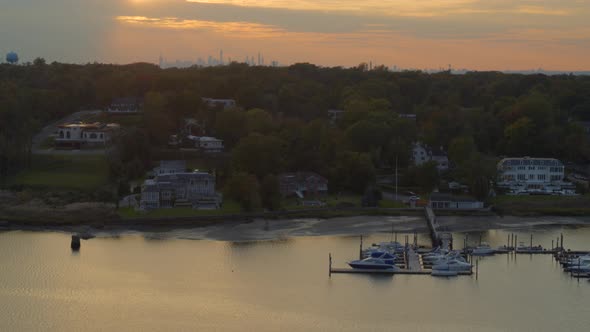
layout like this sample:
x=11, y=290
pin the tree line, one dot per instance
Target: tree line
x=282, y=123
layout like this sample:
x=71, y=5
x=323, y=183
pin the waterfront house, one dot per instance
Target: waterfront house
x=219, y=103
x=183, y=189
x=449, y=201
x=422, y=154
x=207, y=144
x=528, y=175
x=127, y=105
x=302, y=184
x=80, y=134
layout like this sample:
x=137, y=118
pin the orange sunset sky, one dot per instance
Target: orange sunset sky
x=474, y=34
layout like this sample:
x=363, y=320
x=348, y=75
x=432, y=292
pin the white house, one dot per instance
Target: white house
x=207, y=144
x=78, y=134
x=423, y=154
x=533, y=176
x=219, y=103
x=448, y=201
x=128, y=105
x=186, y=189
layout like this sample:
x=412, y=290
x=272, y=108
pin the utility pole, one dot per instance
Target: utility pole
x=396, y=178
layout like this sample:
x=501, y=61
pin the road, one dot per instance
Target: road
x=52, y=128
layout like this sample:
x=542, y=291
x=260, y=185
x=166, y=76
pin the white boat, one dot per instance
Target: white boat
x=522, y=248
x=483, y=250
x=444, y=273
x=372, y=264
x=579, y=269
x=453, y=265
x=582, y=260
x=390, y=247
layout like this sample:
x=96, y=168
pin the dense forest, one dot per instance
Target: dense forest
x=282, y=123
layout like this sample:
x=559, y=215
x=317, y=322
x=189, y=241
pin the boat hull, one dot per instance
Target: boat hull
x=364, y=266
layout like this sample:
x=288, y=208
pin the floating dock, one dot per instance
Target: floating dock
x=391, y=272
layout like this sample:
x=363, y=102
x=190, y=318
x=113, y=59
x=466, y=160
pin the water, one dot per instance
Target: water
x=134, y=283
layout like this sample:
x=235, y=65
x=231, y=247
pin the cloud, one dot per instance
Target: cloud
x=413, y=8
x=240, y=29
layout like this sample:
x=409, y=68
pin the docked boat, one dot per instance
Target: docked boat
x=389, y=247
x=578, y=269
x=383, y=262
x=525, y=249
x=483, y=250
x=582, y=260
x=453, y=265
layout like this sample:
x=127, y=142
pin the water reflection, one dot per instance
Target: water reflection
x=173, y=284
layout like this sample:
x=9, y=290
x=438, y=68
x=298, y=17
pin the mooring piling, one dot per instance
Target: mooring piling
x=75, y=244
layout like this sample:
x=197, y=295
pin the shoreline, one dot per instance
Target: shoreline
x=253, y=229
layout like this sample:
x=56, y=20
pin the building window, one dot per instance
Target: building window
x=93, y=136
x=541, y=177
x=521, y=177
x=67, y=134
x=101, y=135
x=531, y=176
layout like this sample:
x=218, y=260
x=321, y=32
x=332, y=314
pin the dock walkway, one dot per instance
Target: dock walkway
x=413, y=260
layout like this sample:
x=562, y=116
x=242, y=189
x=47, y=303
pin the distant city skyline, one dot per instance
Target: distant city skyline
x=481, y=35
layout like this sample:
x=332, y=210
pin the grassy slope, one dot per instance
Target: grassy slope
x=64, y=172
x=543, y=205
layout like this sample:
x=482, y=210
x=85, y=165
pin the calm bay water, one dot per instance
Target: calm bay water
x=134, y=283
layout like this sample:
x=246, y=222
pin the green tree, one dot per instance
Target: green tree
x=244, y=189
x=230, y=126
x=269, y=192
x=461, y=149
x=158, y=121
x=519, y=137
x=259, y=121
x=259, y=155
x=427, y=176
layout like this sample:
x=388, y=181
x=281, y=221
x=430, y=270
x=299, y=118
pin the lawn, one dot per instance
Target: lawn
x=388, y=204
x=229, y=207
x=542, y=205
x=64, y=172
x=125, y=120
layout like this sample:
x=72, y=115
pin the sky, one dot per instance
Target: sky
x=474, y=34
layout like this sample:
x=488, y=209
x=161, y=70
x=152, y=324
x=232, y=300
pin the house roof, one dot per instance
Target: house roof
x=174, y=164
x=442, y=197
x=300, y=176
x=525, y=161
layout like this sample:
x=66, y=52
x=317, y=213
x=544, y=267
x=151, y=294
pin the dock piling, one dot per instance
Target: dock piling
x=75, y=244
x=361, y=249
x=330, y=265
x=476, y=268
x=561, y=241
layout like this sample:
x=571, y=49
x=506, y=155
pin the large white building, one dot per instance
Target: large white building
x=173, y=186
x=533, y=176
x=79, y=134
